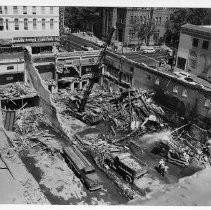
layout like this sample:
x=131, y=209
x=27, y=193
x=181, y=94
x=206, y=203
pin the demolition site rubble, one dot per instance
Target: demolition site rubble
x=16, y=90
x=131, y=133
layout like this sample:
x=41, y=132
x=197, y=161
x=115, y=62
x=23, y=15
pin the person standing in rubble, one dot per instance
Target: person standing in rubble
x=162, y=168
x=186, y=157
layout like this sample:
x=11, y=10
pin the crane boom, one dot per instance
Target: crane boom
x=96, y=72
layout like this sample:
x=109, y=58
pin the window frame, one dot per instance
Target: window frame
x=195, y=40
x=184, y=93
x=34, y=23
x=175, y=89
x=17, y=24
x=9, y=68
x=34, y=10
x=5, y=9
x=51, y=23
x=42, y=10
x=2, y=24
x=15, y=9
x=25, y=24
x=43, y=23
x=157, y=81
x=7, y=24
x=205, y=47
x=207, y=103
x=25, y=10
x=51, y=9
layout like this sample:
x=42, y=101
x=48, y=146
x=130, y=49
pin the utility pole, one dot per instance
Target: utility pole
x=130, y=110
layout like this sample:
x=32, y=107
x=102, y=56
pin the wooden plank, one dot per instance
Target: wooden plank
x=12, y=120
x=7, y=120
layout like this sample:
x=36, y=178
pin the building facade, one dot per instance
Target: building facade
x=35, y=28
x=29, y=25
x=125, y=19
x=194, y=52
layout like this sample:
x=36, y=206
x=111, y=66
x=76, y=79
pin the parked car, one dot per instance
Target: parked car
x=100, y=43
x=149, y=50
x=87, y=48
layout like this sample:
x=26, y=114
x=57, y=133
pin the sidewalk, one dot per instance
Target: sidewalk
x=19, y=186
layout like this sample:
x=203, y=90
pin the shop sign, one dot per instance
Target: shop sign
x=36, y=39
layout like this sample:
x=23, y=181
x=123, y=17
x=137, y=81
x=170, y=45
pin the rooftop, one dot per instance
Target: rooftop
x=201, y=28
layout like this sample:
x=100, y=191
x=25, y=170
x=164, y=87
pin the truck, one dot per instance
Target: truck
x=126, y=165
x=82, y=168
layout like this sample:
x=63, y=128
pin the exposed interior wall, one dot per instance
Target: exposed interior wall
x=45, y=96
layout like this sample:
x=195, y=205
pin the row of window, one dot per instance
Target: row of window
x=207, y=102
x=16, y=24
x=25, y=10
x=143, y=19
x=175, y=88
x=205, y=44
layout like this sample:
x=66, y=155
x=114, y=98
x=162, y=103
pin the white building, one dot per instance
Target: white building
x=29, y=24
x=194, y=52
x=35, y=28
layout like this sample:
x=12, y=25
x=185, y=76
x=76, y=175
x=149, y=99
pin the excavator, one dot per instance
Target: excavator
x=76, y=105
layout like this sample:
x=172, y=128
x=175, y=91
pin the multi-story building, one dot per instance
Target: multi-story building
x=194, y=52
x=31, y=27
x=126, y=18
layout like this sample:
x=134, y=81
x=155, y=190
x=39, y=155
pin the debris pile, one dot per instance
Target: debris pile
x=29, y=126
x=125, y=112
x=14, y=90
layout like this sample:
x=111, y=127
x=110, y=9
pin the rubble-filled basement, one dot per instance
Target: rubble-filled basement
x=122, y=136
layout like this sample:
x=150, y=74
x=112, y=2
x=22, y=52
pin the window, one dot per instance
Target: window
x=5, y=10
x=185, y=93
x=148, y=77
x=181, y=63
x=51, y=23
x=195, y=42
x=34, y=10
x=131, y=19
x=9, y=78
x=43, y=23
x=1, y=24
x=10, y=67
x=0, y=10
x=15, y=9
x=131, y=69
x=25, y=24
x=157, y=81
x=34, y=23
x=24, y=10
x=175, y=89
x=207, y=103
x=16, y=24
x=160, y=20
x=7, y=24
x=43, y=10
x=156, y=21
x=205, y=45
x=51, y=10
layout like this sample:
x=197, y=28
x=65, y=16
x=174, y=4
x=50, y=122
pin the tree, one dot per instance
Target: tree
x=181, y=16
x=144, y=29
x=76, y=16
